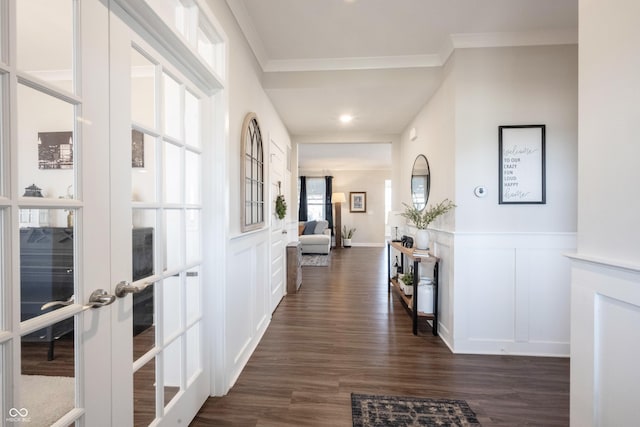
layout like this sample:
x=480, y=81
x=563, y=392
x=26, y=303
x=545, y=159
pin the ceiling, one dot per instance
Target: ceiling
x=379, y=60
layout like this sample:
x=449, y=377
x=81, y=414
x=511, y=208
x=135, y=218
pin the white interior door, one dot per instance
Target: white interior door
x=83, y=206
x=56, y=338
x=278, y=226
x=158, y=128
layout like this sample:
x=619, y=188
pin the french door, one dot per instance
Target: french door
x=101, y=221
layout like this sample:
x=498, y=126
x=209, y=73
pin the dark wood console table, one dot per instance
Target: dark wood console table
x=411, y=302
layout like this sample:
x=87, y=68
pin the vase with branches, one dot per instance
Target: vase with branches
x=422, y=218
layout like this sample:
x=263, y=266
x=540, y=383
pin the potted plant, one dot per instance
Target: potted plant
x=347, y=234
x=406, y=283
x=422, y=218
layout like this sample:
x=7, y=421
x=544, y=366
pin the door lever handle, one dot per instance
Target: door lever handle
x=123, y=288
x=57, y=303
x=100, y=298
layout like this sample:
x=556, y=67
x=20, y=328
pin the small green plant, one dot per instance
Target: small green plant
x=421, y=219
x=407, y=278
x=281, y=207
x=347, y=233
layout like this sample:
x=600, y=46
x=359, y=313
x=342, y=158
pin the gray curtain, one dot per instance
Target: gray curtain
x=302, y=210
x=328, y=209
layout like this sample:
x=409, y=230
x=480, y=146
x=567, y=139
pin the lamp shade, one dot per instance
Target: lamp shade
x=338, y=198
x=395, y=220
x=396, y=224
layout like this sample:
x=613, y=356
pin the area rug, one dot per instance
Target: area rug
x=315, y=260
x=388, y=411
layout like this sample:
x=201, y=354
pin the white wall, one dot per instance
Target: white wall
x=504, y=283
x=370, y=225
x=247, y=288
x=436, y=139
x=511, y=86
x=605, y=281
x=435, y=129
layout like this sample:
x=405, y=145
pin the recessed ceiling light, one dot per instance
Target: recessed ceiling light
x=346, y=118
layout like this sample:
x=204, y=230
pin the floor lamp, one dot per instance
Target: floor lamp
x=338, y=199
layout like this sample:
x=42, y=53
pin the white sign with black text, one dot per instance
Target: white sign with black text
x=522, y=164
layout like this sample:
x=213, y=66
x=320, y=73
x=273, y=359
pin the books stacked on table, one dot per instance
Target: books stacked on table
x=421, y=252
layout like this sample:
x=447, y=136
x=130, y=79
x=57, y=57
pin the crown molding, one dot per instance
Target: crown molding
x=454, y=41
x=239, y=11
x=345, y=137
x=528, y=38
x=353, y=63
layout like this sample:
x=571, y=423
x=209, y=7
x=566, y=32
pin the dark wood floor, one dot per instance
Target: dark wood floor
x=342, y=334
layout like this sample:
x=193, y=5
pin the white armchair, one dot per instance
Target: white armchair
x=315, y=237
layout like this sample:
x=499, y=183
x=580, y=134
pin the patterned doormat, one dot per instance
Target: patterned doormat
x=387, y=411
x=315, y=260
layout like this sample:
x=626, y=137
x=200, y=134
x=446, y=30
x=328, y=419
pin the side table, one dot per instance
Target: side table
x=294, y=267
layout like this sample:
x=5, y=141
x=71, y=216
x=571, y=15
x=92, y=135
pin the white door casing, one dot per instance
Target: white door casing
x=277, y=173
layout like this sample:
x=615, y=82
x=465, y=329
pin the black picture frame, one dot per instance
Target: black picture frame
x=522, y=164
x=55, y=150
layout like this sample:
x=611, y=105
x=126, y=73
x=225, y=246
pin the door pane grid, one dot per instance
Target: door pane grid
x=46, y=120
x=177, y=172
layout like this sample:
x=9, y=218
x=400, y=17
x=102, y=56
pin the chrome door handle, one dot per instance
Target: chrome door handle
x=123, y=288
x=100, y=298
x=56, y=303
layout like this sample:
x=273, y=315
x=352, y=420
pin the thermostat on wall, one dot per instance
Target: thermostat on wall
x=480, y=191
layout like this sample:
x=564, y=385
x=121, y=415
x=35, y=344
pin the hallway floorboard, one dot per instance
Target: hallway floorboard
x=343, y=333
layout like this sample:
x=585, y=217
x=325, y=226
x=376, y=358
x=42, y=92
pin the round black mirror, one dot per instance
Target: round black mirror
x=420, y=182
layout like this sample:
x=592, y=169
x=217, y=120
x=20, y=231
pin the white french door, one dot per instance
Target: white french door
x=56, y=332
x=101, y=147
x=158, y=119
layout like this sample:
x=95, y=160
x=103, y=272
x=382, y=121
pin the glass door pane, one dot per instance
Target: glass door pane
x=46, y=170
x=48, y=384
x=47, y=55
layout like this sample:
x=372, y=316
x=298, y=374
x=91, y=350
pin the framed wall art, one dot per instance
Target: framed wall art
x=522, y=164
x=358, y=201
x=55, y=150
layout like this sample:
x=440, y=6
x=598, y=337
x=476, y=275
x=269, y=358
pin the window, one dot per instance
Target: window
x=252, y=175
x=316, y=199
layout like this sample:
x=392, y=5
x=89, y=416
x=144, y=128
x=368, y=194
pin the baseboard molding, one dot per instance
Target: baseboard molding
x=368, y=245
x=512, y=348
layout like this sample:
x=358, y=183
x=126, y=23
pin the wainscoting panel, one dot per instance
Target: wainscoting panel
x=486, y=289
x=511, y=293
x=605, y=343
x=248, y=292
x=542, y=273
x=442, y=244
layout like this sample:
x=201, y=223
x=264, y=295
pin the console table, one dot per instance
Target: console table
x=411, y=302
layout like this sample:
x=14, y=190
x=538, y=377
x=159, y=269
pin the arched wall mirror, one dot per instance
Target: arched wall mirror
x=420, y=182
